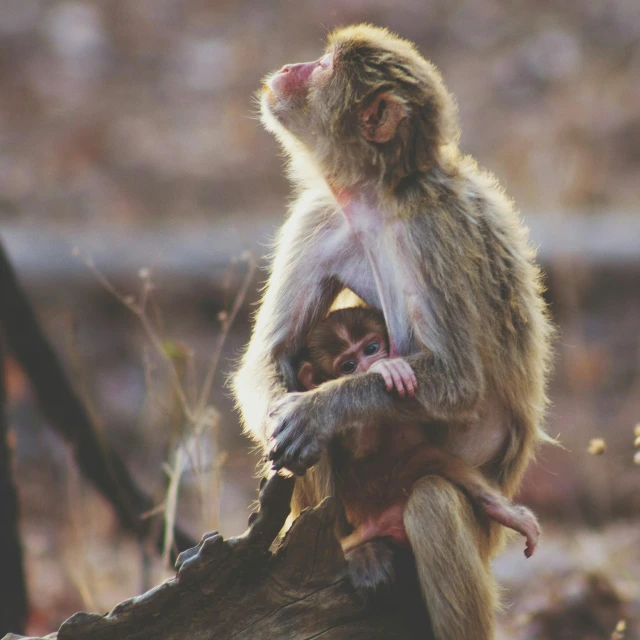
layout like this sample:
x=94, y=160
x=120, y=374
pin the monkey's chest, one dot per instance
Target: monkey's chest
x=369, y=482
x=378, y=269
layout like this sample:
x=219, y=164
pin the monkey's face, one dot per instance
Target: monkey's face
x=371, y=103
x=287, y=104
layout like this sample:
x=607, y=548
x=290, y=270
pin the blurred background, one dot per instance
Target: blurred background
x=138, y=198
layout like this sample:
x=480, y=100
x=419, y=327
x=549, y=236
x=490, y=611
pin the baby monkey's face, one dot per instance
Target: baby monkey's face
x=346, y=342
x=360, y=354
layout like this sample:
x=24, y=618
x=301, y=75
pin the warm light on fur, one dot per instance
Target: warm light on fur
x=388, y=207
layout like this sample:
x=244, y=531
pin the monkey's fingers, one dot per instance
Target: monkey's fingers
x=386, y=375
x=414, y=378
x=281, y=427
x=408, y=377
x=296, y=469
x=277, y=447
x=398, y=379
x=532, y=541
x=285, y=439
x=288, y=399
x=278, y=430
x=285, y=459
x=288, y=451
x=296, y=462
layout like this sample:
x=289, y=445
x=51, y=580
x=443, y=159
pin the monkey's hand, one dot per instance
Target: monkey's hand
x=398, y=375
x=298, y=438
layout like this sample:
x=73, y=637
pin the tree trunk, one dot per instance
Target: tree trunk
x=13, y=593
x=238, y=589
x=66, y=413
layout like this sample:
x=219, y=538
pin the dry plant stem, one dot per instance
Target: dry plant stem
x=77, y=564
x=205, y=393
x=64, y=410
x=200, y=417
x=138, y=311
x=171, y=503
x=226, y=325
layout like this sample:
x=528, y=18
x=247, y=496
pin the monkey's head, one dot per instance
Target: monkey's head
x=370, y=108
x=347, y=341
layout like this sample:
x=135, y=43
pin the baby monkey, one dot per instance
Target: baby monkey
x=374, y=474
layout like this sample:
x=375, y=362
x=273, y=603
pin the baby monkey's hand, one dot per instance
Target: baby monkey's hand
x=398, y=374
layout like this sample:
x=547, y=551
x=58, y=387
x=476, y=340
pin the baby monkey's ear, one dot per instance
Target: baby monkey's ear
x=305, y=376
x=381, y=118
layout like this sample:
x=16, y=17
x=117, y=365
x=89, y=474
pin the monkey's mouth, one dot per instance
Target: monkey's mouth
x=272, y=94
x=269, y=99
x=276, y=84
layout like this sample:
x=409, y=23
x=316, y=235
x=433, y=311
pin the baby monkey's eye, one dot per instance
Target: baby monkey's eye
x=370, y=349
x=349, y=366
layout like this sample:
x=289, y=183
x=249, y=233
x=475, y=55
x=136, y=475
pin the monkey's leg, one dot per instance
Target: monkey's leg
x=370, y=566
x=387, y=524
x=368, y=552
x=482, y=493
x=452, y=559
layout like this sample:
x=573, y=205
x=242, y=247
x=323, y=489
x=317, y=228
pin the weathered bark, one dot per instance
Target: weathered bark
x=66, y=413
x=13, y=594
x=238, y=589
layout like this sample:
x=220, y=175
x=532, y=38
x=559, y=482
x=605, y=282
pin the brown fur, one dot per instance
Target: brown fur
x=415, y=229
x=375, y=469
x=457, y=583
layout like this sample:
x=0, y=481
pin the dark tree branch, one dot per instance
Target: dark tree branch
x=66, y=413
x=13, y=594
x=238, y=589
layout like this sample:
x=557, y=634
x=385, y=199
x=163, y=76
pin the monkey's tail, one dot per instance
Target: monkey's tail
x=452, y=558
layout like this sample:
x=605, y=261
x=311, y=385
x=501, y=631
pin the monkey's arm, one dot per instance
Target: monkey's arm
x=304, y=423
x=298, y=293
x=443, y=307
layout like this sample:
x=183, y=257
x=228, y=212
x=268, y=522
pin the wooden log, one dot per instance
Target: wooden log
x=238, y=589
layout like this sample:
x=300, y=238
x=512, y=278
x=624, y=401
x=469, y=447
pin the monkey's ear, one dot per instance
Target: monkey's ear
x=305, y=376
x=381, y=118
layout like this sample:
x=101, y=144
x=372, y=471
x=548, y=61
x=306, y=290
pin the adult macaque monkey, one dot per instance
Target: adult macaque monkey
x=389, y=208
x=374, y=467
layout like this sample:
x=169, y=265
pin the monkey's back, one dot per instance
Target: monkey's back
x=481, y=270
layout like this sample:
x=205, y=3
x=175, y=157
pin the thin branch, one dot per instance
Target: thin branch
x=226, y=325
x=64, y=410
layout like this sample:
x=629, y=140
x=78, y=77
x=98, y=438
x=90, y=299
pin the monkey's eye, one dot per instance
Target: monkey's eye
x=348, y=367
x=323, y=64
x=372, y=348
x=326, y=61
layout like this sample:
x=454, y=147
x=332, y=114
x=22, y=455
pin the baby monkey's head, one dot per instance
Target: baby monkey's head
x=347, y=341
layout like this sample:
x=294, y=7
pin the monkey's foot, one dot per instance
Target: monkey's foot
x=518, y=518
x=371, y=567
